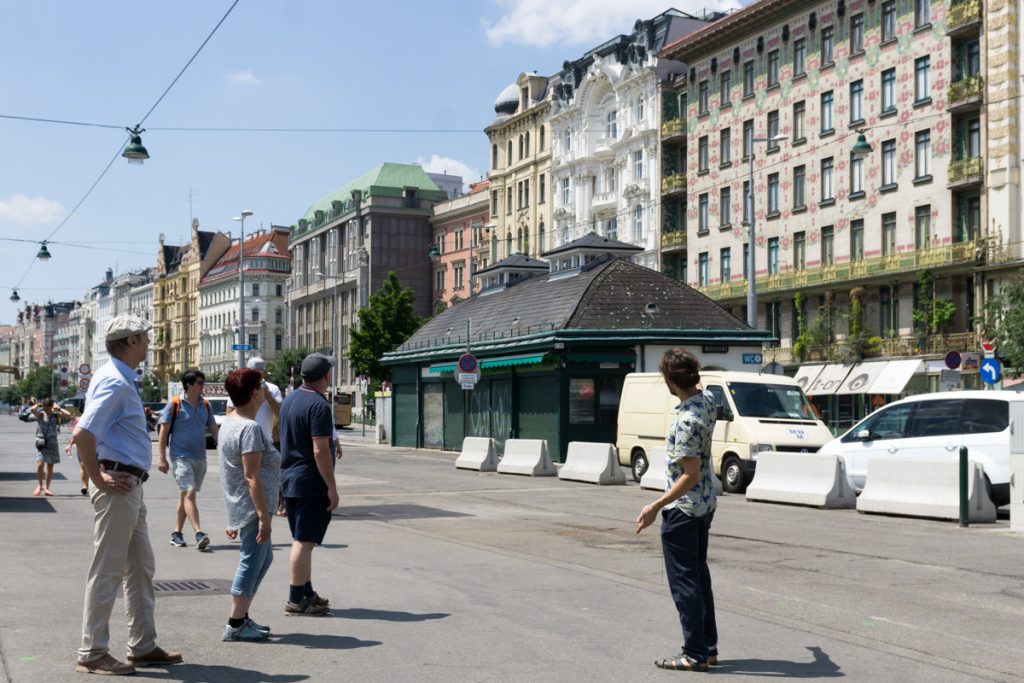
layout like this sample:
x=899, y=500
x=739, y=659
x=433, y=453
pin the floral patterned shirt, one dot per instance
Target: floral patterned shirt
x=691, y=438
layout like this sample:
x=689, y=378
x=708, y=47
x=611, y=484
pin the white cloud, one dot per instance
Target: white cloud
x=440, y=164
x=246, y=77
x=30, y=210
x=539, y=23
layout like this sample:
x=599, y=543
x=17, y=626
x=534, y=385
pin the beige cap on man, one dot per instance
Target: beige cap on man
x=124, y=326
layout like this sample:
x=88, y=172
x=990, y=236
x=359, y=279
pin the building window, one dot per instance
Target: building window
x=973, y=148
x=799, y=109
x=494, y=156
x=508, y=156
x=724, y=146
x=702, y=215
x=460, y=240
x=888, y=20
x=542, y=190
x=748, y=79
x=773, y=256
x=725, y=88
x=746, y=201
x=856, y=33
x=540, y=146
x=889, y=90
x=857, y=240
x=773, y=317
x=278, y=342
x=922, y=79
x=254, y=315
x=856, y=175
x=457, y=270
x=255, y=289
x=638, y=223
x=826, y=179
x=638, y=165
x=508, y=201
x=702, y=271
x=640, y=114
x=773, y=68
x=799, y=57
x=279, y=290
x=541, y=241
x=567, y=140
x=828, y=256
x=773, y=130
x=438, y=281
x=799, y=186
x=773, y=194
x=888, y=163
x=494, y=202
x=968, y=219
x=922, y=154
x=702, y=98
x=826, y=112
x=799, y=251
x=724, y=210
x=888, y=234
x=923, y=226
x=613, y=125
x=968, y=61
x=856, y=102
x=922, y=13
x=611, y=230
x=279, y=316
x=254, y=341
x=748, y=138
x=725, y=265
x=826, y=46
x=566, y=192
x=702, y=154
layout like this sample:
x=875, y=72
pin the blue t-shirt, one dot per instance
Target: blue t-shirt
x=188, y=433
x=305, y=415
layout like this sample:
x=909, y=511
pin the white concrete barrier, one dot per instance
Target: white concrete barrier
x=924, y=488
x=478, y=453
x=593, y=463
x=654, y=478
x=801, y=479
x=527, y=456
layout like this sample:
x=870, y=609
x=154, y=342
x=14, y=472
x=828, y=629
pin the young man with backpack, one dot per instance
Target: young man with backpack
x=183, y=422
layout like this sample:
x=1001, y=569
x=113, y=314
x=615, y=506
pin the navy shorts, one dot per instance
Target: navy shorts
x=308, y=518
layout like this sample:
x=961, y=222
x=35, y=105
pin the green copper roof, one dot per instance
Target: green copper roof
x=386, y=180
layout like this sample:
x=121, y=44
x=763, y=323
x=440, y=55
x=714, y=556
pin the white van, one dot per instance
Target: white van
x=757, y=413
x=935, y=426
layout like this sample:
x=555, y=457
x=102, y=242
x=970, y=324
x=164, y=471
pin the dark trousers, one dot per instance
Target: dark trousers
x=684, y=541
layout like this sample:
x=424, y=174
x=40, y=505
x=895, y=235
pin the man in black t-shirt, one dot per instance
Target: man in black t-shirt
x=307, y=478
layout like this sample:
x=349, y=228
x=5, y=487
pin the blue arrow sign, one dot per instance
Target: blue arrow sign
x=241, y=347
x=991, y=371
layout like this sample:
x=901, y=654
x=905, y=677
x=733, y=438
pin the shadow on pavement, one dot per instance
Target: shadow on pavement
x=385, y=615
x=236, y=546
x=214, y=673
x=28, y=476
x=26, y=505
x=821, y=667
x=322, y=641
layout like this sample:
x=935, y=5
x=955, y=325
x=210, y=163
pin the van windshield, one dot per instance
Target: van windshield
x=770, y=400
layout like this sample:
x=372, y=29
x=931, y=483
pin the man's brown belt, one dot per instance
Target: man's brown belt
x=113, y=466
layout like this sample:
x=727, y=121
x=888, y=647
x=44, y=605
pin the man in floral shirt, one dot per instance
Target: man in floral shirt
x=687, y=508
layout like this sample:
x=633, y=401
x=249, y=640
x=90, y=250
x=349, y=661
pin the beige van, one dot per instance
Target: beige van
x=757, y=413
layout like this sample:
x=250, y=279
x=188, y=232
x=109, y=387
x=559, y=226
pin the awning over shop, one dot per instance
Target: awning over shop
x=807, y=374
x=830, y=379
x=894, y=379
x=441, y=369
x=861, y=377
x=506, y=361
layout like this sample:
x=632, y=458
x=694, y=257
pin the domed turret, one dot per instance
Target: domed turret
x=508, y=101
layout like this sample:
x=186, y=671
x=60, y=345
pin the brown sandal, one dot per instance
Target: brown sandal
x=681, y=663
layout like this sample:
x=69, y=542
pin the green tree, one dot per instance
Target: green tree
x=932, y=315
x=384, y=324
x=153, y=390
x=38, y=383
x=286, y=366
x=1004, y=323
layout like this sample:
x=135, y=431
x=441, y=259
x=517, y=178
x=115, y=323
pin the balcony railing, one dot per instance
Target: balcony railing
x=892, y=347
x=905, y=262
x=673, y=127
x=965, y=89
x=962, y=13
x=673, y=183
x=673, y=240
x=963, y=170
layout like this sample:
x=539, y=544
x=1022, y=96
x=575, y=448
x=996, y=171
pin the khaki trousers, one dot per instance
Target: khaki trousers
x=122, y=556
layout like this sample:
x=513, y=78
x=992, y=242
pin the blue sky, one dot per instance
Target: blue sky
x=272, y=64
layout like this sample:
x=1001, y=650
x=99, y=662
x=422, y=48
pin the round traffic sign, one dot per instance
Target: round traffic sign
x=84, y=369
x=952, y=360
x=991, y=371
x=468, y=363
x=83, y=384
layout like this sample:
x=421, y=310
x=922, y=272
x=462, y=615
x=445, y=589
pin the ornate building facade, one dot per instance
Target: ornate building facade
x=462, y=248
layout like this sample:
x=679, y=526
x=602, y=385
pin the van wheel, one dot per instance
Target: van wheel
x=732, y=475
x=640, y=464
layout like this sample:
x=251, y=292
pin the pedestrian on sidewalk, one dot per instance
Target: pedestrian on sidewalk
x=307, y=478
x=47, y=416
x=250, y=474
x=269, y=413
x=114, y=446
x=184, y=421
x=687, y=508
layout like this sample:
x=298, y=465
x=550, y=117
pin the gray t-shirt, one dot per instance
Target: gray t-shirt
x=240, y=435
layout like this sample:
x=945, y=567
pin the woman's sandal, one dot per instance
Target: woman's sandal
x=681, y=663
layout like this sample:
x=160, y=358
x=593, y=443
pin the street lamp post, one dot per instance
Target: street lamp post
x=751, y=285
x=241, y=285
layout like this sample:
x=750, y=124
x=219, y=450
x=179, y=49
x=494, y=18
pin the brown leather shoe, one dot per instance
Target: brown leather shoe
x=713, y=660
x=156, y=657
x=105, y=665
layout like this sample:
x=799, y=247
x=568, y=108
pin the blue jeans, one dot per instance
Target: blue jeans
x=684, y=542
x=253, y=561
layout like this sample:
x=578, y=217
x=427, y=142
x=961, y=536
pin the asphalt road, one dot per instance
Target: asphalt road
x=437, y=574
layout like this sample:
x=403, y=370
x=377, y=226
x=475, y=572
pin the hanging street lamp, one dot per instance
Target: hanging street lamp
x=134, y=152
x=44, y=253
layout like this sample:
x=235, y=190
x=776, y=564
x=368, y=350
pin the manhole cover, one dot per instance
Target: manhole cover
x=190, y=587
x=391, y=512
